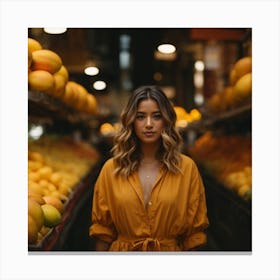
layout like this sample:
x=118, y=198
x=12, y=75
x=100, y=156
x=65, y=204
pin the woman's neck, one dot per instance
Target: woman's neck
x=149, y=153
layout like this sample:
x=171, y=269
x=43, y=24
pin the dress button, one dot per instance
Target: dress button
x=150, y=203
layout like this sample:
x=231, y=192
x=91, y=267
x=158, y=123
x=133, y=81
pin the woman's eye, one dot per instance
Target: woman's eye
x=139, y=117
x=157, y=116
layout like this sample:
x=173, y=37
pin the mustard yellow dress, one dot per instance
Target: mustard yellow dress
x=174, y=220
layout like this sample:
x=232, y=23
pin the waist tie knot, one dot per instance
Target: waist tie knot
x=146, y=244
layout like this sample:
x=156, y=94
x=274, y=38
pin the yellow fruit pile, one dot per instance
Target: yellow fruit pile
x=47, y=74
x=55, y=167
x=238, y=89
x=228, y=158
x=183, y=117
x=42, y=216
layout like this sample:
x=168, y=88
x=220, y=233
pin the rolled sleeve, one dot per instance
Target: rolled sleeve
x=102, y=225
x=102, y=232
x=196, y=235
x=195, y=240
x=197, y=216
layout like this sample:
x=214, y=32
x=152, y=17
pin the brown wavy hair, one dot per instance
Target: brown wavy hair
x=126, y=150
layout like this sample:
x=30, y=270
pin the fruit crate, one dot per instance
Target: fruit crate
x=229, y=216
x=54, y=240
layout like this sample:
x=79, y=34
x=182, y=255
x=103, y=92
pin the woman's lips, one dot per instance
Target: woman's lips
x=149, y=133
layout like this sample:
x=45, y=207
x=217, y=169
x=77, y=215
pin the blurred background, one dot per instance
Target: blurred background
x=79, y=79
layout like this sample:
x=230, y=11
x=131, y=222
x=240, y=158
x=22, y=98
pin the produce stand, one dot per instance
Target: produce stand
x=64, y=122
x=55, y=239
x=230, y=215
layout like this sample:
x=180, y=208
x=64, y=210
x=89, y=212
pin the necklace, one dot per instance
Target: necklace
x=149, y=169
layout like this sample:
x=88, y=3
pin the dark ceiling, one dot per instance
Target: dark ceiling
x=78, y=45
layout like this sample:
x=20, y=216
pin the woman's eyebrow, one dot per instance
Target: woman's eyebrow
x=155, y=112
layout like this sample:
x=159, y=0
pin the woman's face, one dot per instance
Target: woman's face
x=148, y=123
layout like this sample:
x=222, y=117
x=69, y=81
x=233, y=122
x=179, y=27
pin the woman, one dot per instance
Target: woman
x=148, y=196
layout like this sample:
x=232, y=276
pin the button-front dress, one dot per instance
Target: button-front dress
x=175, y=218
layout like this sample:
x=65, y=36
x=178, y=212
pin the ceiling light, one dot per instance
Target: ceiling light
x=36, y=131
x=199, y=65
x=56, y=30
x=198, y=99
x=91, y=70
x=166, y=48
x=198, y=79
x=99, y=85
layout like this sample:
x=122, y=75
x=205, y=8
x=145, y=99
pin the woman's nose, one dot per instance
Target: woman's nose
x=149, y=122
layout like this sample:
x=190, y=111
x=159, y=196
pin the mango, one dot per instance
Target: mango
x=41, y=80
x=243, y=66
x=243, y=87
x=35, y=211
x=46, y=60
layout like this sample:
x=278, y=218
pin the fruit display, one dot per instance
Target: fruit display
x=227, y=158
x=55, y=167
x=48, y=74
x=184, y=117
x=62, y=169
x=238, y=89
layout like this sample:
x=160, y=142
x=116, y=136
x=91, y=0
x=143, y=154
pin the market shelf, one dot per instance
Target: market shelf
x=46, y=108
x=56, y=238
x=240, y=115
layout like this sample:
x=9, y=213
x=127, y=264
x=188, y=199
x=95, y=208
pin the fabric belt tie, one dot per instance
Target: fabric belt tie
x=146, y=244
x=149, y=243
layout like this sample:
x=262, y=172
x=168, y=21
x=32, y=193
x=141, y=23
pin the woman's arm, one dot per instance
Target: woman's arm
x=101, y=245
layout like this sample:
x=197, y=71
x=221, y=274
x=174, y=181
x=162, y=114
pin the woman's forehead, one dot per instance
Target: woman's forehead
x=148, y=104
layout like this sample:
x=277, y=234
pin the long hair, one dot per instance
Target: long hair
x=126, y=150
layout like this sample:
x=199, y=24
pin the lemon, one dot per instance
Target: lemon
x=54, y=201
x=51, y=214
